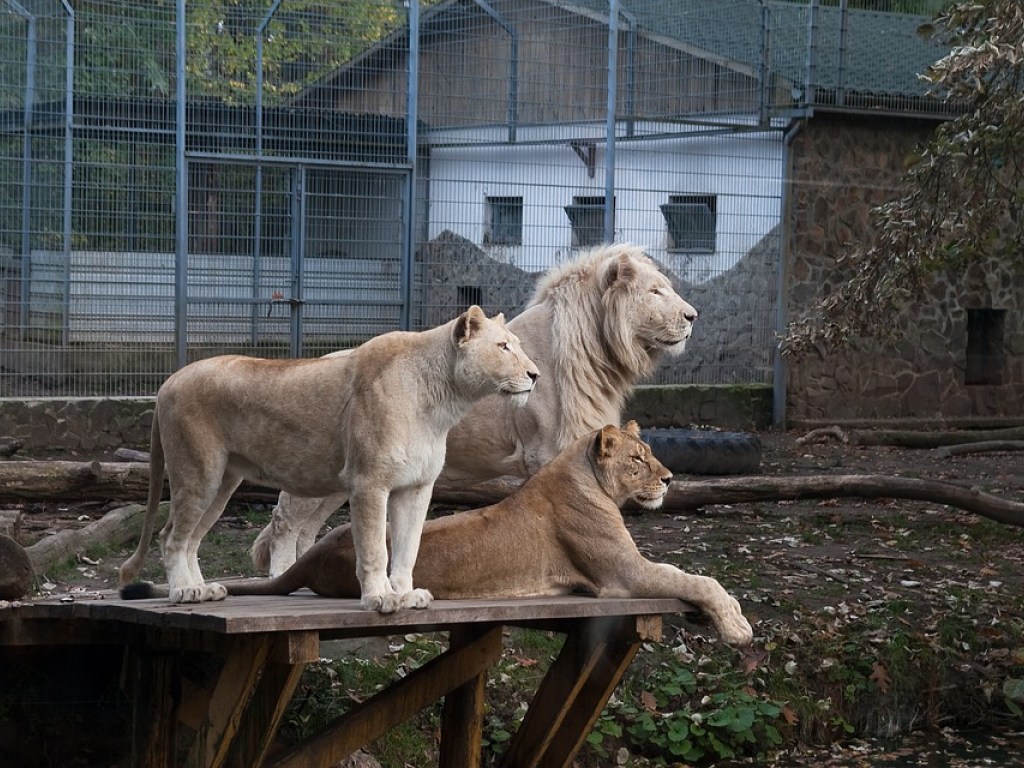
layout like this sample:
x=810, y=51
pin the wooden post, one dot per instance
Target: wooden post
x=577, y=686
x=395, y=704
x=462, y=717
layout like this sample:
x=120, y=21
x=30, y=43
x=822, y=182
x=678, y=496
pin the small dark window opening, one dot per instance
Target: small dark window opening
x=986, y=355
x=504, y=224
x=470, y=295
x=586, y=214
x=691, y=221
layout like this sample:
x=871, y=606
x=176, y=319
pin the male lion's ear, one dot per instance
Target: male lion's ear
x=468, y=323
x=606, y=441
x=632, y=428
x=622, y=268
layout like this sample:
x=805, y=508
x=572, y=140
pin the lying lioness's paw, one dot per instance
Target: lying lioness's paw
x=732, y=625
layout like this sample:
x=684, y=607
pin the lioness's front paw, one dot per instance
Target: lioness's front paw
x=731, y=624
x=388, y=603
x=417, y=598
x=198, y=593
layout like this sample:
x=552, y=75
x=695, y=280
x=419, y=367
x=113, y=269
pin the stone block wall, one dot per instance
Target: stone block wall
x=842, y=167
x=95, y=427
x=733, y=339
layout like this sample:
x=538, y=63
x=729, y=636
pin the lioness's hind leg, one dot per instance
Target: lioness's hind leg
x=188, y=523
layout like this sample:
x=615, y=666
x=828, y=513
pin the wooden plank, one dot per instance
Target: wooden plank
x=305, y=611
x=462, y=717
x=397, y=703
x=577, y=685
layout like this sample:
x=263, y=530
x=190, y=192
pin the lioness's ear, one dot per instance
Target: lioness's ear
x=499, y=318
x=632, y=428
x=606, y=441
x=468, y=323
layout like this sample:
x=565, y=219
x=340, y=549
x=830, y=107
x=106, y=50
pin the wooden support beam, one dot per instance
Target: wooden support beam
x=280, y=678
x=574, y=691
x=462, y=717
x=396, y=704
x=229, y=700
x=155, y=697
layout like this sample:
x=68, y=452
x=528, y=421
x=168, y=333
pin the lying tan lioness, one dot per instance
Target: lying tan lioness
x=561, y=532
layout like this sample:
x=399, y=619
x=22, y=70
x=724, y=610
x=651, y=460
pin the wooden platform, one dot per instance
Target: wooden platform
x=262, y=644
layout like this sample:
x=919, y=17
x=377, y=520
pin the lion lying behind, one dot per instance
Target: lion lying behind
x=595, y=326
x=369, y=426
x=560, y=532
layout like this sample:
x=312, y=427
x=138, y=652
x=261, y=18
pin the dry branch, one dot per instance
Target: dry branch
x=909, y=438
x=691, y=494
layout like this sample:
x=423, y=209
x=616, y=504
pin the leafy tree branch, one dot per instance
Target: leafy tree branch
x=963, y=199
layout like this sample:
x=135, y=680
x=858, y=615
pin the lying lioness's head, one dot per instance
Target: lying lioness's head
x=626, y=468
x=490, y=357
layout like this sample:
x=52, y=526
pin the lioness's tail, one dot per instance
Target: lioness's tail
x=131, y=567
x=282, y=585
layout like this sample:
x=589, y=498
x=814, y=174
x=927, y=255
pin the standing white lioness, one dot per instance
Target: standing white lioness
x=596, y=325
x=368, y=425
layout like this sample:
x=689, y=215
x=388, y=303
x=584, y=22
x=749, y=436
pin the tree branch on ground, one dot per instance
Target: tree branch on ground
x=911, y=438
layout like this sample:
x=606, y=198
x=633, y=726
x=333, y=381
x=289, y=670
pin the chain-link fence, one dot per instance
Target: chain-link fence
x=287, y=177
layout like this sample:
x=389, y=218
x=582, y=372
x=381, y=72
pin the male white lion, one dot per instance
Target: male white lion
x=561, y=532
x=596, y=325
x=368, y=426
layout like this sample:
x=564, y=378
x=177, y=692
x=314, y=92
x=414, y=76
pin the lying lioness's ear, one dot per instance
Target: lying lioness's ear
x=632, y=428
x=468, y=323
x=606, y=441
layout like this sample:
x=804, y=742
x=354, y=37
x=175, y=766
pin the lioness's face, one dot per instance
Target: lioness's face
x=627, y=464
x=664, y=319
x=491, y=359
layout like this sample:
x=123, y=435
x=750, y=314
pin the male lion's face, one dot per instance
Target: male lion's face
x=627, y=464
x=664, y=321
x=490, y=357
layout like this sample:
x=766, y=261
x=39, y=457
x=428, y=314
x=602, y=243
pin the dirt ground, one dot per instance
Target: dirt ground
x=847, y=573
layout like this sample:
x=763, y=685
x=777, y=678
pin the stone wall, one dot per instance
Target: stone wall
x=732, y=340
x=842, y=167
x=95, y=427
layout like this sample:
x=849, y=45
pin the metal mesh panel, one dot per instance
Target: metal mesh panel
x=342, y=177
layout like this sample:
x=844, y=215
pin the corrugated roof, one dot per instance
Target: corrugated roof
x=877, y=52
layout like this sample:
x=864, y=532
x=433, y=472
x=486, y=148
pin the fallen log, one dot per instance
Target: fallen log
x=909, y=438
x=92, y=481
x=986, y=446
x=117, y=527
x=691, y=494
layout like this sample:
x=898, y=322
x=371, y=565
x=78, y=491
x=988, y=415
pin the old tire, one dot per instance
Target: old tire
x=705, y=451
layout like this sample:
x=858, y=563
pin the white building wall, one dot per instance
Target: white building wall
x=744, y=171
